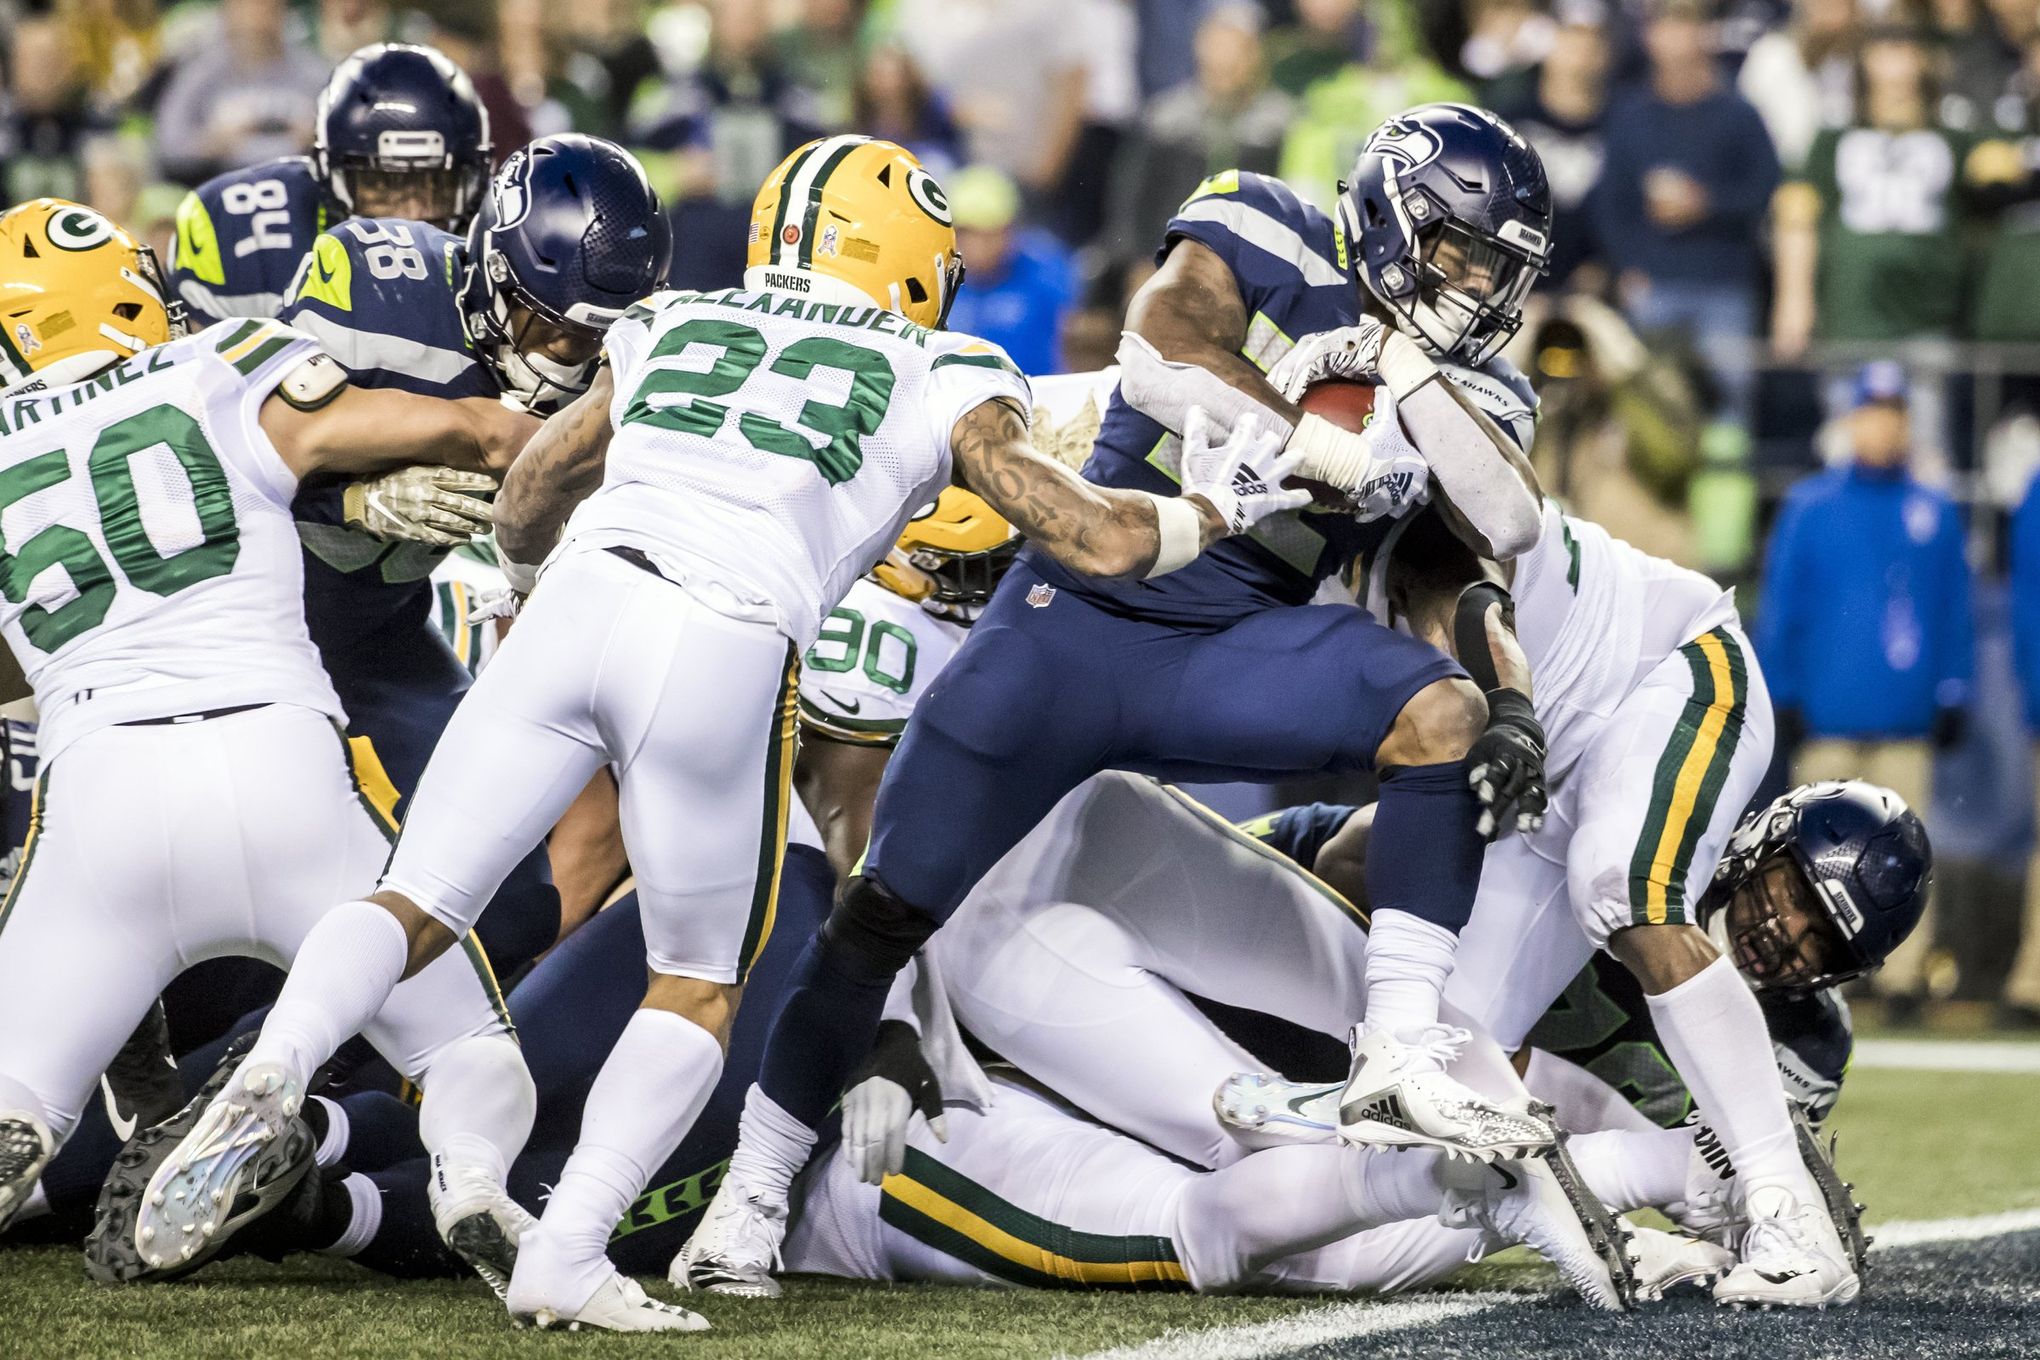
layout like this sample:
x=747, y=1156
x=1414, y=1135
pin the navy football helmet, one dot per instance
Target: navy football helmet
x=569, y=234
x=1844, y=862
x=399, y=132
x=1449, y=211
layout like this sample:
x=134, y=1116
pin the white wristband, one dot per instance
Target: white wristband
x=1403, y=366
x=1180, y=529
x=517, y=575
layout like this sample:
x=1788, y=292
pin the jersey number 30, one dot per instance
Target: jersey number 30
x=121, y=524
x=743, y=350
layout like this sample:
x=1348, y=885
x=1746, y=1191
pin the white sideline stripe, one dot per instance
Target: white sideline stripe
x=1922, y=1232
x=1946, y=1055
x=1339, y=1322
x=1346, y=1321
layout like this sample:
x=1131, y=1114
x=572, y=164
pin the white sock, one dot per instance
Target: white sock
x=772, y=1147
x=1714, y=1031
x=332, y=1149
x=479, y=1103
x=1408, y=959
x=650, y=1090
x=1628, y=1169
x=366, y=1198
x=343, y=973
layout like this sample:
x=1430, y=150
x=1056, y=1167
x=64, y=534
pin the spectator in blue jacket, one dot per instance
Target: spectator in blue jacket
x=2022, y=987
x=1688, y=176
x=1865, y=629
x=1022, y=282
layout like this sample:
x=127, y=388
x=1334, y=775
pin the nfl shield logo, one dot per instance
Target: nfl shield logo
x=1039, y=594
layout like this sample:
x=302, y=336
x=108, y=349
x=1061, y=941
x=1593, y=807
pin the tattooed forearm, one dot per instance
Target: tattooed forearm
x=1097, y=530
x=558, y=469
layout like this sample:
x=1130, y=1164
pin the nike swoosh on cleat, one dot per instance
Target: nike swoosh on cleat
x=123, y=1129
x=1781, y=1277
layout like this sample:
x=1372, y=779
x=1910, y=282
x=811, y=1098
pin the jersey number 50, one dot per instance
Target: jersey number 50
x=743, y=351
x=120, y=524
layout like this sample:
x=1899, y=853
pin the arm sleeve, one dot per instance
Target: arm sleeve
x=1777, y=627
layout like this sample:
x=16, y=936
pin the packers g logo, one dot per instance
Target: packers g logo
x=928, y=195
x=79, y=229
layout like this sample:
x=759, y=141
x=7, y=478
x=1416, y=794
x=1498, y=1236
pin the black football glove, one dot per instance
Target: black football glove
x=894, y=1083
x=1506, y=766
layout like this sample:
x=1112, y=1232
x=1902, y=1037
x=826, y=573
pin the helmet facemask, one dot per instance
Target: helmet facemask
x=1770, y=925
x=433, y=190
x=510, y=335
x=1469, y=295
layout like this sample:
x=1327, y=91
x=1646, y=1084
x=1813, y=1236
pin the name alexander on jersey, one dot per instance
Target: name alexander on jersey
x=832, y=313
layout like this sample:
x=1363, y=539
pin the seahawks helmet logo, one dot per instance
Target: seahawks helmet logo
x=79, y=229
x=928, y=195
x=513, y=190
x=1412, y=145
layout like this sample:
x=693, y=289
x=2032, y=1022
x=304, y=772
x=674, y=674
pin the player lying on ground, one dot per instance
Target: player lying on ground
x=722, y=513
x=181, y=698
x=1225, y=670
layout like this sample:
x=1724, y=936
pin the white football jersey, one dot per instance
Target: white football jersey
x=874, y=658
x=774, y=447
x=1595, y=615
x=147, y=552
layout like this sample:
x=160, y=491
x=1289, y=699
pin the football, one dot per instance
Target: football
x=1348, y=403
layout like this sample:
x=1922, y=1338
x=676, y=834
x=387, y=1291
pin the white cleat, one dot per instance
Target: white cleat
x=619, y=1304
x=735, y=1247
x=1539, y=1202
x=25, y=1149
x=1399, y=1095
x=1261, y=1110
x=195, y=1188
x=1668, y=1261
x=1792, y=1257
x=477, y=1218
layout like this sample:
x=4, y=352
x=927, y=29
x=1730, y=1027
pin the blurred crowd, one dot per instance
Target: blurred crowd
x=1754, y=198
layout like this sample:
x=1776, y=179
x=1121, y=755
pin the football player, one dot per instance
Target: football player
x=398, y=132
x=1225, y=670
x=568, y=236
x=1814, y=890
x=742, y=459
x=154, y=606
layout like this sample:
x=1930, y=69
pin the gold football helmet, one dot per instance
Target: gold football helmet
x=951, y=556
x=77, y=293
x=856, y=220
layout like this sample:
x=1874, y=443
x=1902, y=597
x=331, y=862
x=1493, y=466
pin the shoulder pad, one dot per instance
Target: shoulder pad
x=313, y=383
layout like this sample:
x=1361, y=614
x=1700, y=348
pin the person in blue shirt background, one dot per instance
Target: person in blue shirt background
x=2022, y=986
x=1865, y=629
x=1023, y=282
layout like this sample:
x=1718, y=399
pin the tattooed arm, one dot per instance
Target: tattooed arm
x=1192, y=313
x=558, y=468
x=1096, y=530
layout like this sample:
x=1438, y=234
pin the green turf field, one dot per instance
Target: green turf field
x=1920, y=1145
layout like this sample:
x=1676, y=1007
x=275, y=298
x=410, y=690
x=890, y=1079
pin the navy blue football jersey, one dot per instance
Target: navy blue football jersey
x=381, y=296
x=1299, y=832
x=241, y=235
x=1295, y=271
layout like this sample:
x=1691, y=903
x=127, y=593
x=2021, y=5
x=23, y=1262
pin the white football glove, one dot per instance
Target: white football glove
x=878, y=1107
x=436, y=505
x=1396, y=476
x=1242, y=477
x=499, y=603
x=1347, y=352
